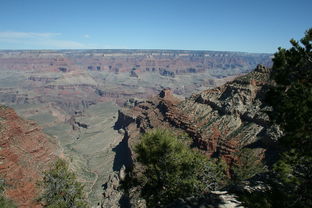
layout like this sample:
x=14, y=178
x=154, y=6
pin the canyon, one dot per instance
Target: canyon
x=91, y=102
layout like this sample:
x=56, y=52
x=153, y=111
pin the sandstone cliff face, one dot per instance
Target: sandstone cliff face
x=24, y=153
x=220, y=121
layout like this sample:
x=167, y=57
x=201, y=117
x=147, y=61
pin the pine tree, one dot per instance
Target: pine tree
x=291, y=99
x=61, y=189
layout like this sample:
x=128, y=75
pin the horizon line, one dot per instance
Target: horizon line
x=135, y=49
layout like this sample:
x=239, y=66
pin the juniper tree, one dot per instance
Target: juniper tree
x=291, y=99
x=173, y=170
x=61, y=188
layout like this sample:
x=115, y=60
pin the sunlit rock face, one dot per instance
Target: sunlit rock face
x=221, y=120
x=25, y=151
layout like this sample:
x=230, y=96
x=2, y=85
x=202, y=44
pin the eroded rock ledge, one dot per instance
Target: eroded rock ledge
x=220, y=120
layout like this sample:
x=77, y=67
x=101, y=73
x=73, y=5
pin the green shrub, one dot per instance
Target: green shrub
x=172, y=170
x=4, y=202
x=61, y=189
x=247, y=166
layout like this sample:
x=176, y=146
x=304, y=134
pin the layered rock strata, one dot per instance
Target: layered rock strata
x=24, y=153
x=220, y=121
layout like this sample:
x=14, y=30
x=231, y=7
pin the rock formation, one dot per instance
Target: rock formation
x=220, y=121
x=216, y=199
x=24, y=153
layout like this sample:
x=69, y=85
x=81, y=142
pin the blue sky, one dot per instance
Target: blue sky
x=227, y=25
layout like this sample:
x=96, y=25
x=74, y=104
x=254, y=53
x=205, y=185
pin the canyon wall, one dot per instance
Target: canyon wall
x=25, y=152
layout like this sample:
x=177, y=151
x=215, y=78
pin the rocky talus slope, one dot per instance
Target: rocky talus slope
x=24, y=153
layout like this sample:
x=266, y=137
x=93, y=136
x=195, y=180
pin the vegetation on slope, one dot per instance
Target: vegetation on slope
x=246, y=166
x=61, y=189
x=4, y=202
x=291, y=99
x=292, y=105
x=292, y=96
x=172, y=170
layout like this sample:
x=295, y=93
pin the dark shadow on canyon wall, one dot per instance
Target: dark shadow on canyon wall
x=123, y=155
x=124, y=202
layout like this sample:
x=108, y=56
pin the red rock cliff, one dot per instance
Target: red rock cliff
x=24, y=153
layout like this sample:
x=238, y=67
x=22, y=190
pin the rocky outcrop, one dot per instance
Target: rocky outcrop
x=24, y=153
x=76, y=124
x=114, y=195
x=124, y=120
x=216, y=199
x=112, y=192
x=220, y=121
x=166, y=73
x=134, y=74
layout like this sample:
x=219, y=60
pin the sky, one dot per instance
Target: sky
x=219, y=25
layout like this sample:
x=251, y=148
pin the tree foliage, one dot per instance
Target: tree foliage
x=172, y=170
x=61, y=189
x=247, y=166
x=292, y=106
x=291, y=99
x=4, y=202
x=293, y=185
